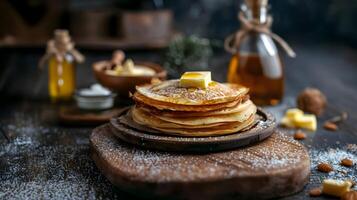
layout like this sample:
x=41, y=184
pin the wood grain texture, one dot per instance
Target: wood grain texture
x=276, y=167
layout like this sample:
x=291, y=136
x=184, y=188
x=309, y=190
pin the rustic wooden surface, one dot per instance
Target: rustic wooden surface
x=279, y=166
x=41, y=159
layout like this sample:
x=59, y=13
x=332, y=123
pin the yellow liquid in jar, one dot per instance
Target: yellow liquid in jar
x=247, y=70
x=61, y=79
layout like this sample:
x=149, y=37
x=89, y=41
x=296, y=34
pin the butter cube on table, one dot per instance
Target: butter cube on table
x=285, y=121
x=306, y=121
x=335, y=187
x=295, y=118
x=196, y=79
x=294, y=113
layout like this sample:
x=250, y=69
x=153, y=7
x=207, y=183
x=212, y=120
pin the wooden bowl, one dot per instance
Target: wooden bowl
x=122, y=85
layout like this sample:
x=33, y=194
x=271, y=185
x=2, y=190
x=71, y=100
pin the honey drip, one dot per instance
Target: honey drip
x=247, y=70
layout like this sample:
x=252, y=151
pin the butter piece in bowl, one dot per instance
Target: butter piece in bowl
x=130, y=69
x=123, y=77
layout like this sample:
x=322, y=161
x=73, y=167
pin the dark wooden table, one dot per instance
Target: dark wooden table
x=41, y=159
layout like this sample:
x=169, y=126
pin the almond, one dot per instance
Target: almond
x=351, y=195
x=315, y=192
x=324, y=167
x=330, y=126
x=299, y=135
x=346, y=162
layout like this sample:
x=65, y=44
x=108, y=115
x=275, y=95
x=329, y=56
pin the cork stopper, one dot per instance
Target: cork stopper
x=62, y=39
x=255, y=6
x=256, y=3
x=60, y=45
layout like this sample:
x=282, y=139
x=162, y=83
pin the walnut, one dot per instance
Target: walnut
x=312, y=100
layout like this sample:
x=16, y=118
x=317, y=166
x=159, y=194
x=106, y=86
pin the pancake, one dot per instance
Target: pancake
x=168, y=113
x=205, y=132
x=219, y=109
x=127, y=120
x=171, y=92
x=141, y=99
x=234, y=117
x=144, y=118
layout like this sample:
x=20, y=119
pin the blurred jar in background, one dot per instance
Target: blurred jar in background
x=61, y=77
x=62, y=58
x=255, y=61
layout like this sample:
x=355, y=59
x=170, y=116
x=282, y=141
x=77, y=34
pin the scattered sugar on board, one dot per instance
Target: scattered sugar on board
x=139, y=164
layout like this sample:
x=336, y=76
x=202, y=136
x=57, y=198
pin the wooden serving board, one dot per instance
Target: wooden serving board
x=74, y=116
x=127, y=130
x=275, y=167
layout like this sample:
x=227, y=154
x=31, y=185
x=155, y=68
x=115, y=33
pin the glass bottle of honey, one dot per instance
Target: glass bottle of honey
x=61, y=78
x=255, y=61
x=62, y=58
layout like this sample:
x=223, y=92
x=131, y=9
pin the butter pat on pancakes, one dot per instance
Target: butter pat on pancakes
x=197, y=79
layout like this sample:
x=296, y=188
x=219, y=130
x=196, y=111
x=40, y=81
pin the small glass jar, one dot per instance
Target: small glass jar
x=61, y=78
x=61, y=58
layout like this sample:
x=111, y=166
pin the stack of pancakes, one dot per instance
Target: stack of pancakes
x=219, y=109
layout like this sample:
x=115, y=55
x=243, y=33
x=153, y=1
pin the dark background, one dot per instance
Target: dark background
x=319, y=20
x=302, y=23
x=332, y=20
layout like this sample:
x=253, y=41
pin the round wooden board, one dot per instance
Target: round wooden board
x=74, y=116
x=275, y=167
x=128, y=131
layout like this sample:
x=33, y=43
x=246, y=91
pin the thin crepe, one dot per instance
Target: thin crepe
x=171, y=92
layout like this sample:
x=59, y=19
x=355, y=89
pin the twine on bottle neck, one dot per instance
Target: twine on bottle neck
x=59, y=47
x=232, y=42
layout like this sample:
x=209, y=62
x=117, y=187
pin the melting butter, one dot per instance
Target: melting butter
x=197, y=79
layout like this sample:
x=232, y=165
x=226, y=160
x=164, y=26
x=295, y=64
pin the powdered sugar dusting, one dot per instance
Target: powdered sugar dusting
x=170, y=91
x=40, y=162
x=75, y=177
x=150, y=166
x=334, y=156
